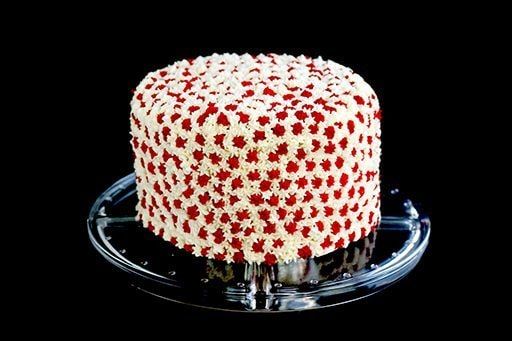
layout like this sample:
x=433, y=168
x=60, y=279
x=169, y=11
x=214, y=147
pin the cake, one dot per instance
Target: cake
x=259, y=159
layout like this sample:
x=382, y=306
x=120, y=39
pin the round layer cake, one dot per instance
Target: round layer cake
x=264, y=158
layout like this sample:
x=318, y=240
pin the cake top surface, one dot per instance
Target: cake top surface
x=250, y=85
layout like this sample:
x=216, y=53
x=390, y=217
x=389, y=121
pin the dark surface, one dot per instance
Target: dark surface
x=402, y=78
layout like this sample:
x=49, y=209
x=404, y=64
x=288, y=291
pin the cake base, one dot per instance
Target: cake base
x=158, y=268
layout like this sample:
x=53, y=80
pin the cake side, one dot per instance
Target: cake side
x=261, y=159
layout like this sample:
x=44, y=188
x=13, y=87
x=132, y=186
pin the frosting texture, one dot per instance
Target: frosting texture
x=264, y=158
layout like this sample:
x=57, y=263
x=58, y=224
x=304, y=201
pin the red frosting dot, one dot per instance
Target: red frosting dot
x=306, y=94
x=273, y=157
x=273, y=200
x=177, y=203
x=233, y=162
x=305, y=231
x=151, y=168
x=330, y=148
x=202, y=233
x=310, y=165
x=203, y=198
x=252, y=156
x=220, y=256
x=159, y=118
x=263, y=120
x=301, y=182
x=304, y=252
x=244, y=118
x=326, y=165
x=278, y=243
x=360, y=117
x=203, y=179
x=264, y=214
x=273, y=174
x=281, y=115
x=265, y=185
x=238, y=141
x=269, y=228
x=198, y=155
x=316, y=182
x=175, y=117
x=324, y=197
x=291, y=227
x=292, y=167
x=258, y=246
x=233, y=199
x=300, y=154
x=329, y=132
x=186, y=124
x=223, y=175
x=219, y=236
x=259, y=135
x=254, y=175
x=236, y=227
x=318, y=117
x=270, y=259
x=200, y=139
x=236, y=243
x=256, y=199
x=180, y=142
x=307, y=196
x=236, y=183
x=350, y=126
x=335, y=227
x=192, y=212
x=340, y=243
x=268, y=91
x=209, y=217
x=281, y=212
x=238, y=257
x=297, y=128
x=282, y=148
x=291, y=200
x=222, y=119
x=279, y=130
x=301, y=115
x=214, y=158
x=343, y=143
x=359, y=99
x=285, y=184
x=193, y=108
x=352, y=236
x=224, y=218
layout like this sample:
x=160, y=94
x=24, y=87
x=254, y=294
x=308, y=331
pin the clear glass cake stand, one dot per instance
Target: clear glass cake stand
x=157, y=268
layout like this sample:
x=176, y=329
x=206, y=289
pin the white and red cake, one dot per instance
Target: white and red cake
x=264, y=158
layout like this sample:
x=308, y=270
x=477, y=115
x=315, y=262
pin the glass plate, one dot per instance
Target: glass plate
x=158, y=268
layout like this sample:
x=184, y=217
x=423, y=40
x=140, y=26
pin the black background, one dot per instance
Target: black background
x=406, y=79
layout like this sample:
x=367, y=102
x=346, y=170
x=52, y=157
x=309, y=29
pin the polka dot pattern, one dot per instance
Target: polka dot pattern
x=264, y=158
